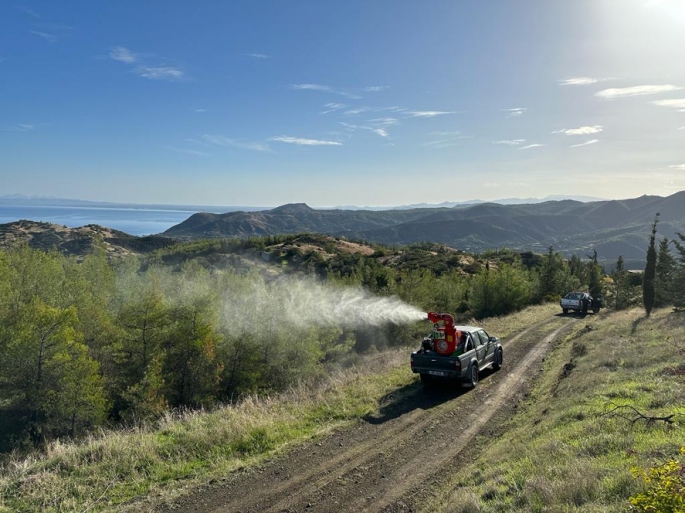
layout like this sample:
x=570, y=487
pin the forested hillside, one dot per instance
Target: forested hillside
x=96, y=341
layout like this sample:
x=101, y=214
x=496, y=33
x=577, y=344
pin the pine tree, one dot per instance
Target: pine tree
x=678, y=281
x=595, y=273
x=650, y=271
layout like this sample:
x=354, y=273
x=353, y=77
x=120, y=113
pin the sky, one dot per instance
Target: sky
x=351, y=102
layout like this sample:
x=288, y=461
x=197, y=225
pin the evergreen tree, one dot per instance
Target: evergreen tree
x=650, y=272
x=664, y=274
x=595, y=273
x=620, y=285
x=678, y=281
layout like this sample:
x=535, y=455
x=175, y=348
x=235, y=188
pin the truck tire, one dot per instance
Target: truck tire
x=497, y=362
x=565, y=310
x=473, y=375
x=595, y=310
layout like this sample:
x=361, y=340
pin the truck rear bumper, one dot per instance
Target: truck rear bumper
x=438, y=373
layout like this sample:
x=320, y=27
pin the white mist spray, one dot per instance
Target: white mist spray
x=305, y=302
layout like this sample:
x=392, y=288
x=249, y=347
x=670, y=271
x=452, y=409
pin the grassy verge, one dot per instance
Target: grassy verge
x=563, y=450
x=111, y=469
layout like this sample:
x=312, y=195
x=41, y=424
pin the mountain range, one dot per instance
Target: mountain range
x=612, y=227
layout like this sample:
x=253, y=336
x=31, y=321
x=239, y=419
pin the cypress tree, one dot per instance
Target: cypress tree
x=665, y=269
x=620, y=288
x=648, y=294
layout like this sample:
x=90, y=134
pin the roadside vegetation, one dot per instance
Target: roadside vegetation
x=608, y=411
x=186, y=448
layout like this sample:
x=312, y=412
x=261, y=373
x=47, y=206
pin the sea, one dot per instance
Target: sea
x=135, y=221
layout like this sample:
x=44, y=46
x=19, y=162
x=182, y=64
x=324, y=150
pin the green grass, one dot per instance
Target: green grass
x=564, y=451
x=113, y=470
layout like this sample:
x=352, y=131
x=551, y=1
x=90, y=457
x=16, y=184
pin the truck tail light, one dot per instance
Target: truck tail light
x=457, y=365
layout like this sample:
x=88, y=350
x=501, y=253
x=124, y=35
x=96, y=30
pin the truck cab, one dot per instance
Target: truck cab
x=473, y=350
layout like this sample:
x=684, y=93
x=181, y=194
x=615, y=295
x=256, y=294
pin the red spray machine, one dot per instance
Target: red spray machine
x=445, y=335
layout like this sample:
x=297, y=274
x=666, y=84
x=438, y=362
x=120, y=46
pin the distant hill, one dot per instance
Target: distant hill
x=612, y=227
x=77, y=241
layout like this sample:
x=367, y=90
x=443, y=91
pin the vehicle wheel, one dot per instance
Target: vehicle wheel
x=497, y=363
x=595, y=310
x=565, y=310
x=474, y=375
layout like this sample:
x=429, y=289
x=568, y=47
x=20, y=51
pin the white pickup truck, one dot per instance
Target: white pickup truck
x=580, y=302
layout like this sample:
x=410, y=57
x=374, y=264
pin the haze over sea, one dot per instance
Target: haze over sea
x=136, y=221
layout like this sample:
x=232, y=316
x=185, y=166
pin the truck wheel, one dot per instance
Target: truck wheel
x=474, y=375
x=497, y=363
x=565, y=310
x=595, y=310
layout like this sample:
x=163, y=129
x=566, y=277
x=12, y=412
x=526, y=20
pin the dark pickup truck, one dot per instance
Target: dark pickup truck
x=455, y=353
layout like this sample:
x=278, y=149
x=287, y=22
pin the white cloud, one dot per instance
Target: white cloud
x=680, y=167
x=356, y=112
x=587, y=143
x=510, y=142
x=304, y=142
x=200, y=110
x=121, y=54
x=623, y=92
x=578, y=81
x=21, y=128
x=516, y=111
x=241, y=144
x=427, y=113
x=682, y=128
x=51, y=38
x=258, y=55
x=375, y=89
x=583, y=130
x=332, y=107
x=325, y=89
x=677, y=103
x=159, y=73
x=381, y=131
x=383, y=122
x=534, y=145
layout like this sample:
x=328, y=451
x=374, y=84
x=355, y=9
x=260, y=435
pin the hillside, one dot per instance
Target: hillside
x=613, y=228
x=77, y=241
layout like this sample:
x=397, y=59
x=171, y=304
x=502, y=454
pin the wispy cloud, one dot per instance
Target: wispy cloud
x=168, y=73
x=682, y=128
x=679, y=167
x=304, y=142
x=145, y=69
x=332, y=107
x=375, y=89
x=258, y=55
x=381, y=131
x=21, y=128
x=427, y=113
x=587, y=143
x=534, y=145
x=200, y=110
x=578, y=81
x=515, y=112
x=50, y=38
x=357, y=111
x=624, y=92
x=384, y=122
x=121, y=54
x=677, y=103
x=378, y=129
x=447, y=139
x=583, y=130
x=326, y=89
x=28, y=11
x=241, y=144
x=510, y=142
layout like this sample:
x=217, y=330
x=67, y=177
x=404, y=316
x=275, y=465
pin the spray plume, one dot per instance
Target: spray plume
x=304, y=303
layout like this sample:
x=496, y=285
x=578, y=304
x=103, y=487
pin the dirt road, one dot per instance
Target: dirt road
x=389, y=461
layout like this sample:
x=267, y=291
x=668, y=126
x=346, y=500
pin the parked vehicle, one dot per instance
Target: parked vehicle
x=580, y=302
x=455, y=353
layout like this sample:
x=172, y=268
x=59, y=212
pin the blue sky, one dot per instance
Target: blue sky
x=338, y=103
